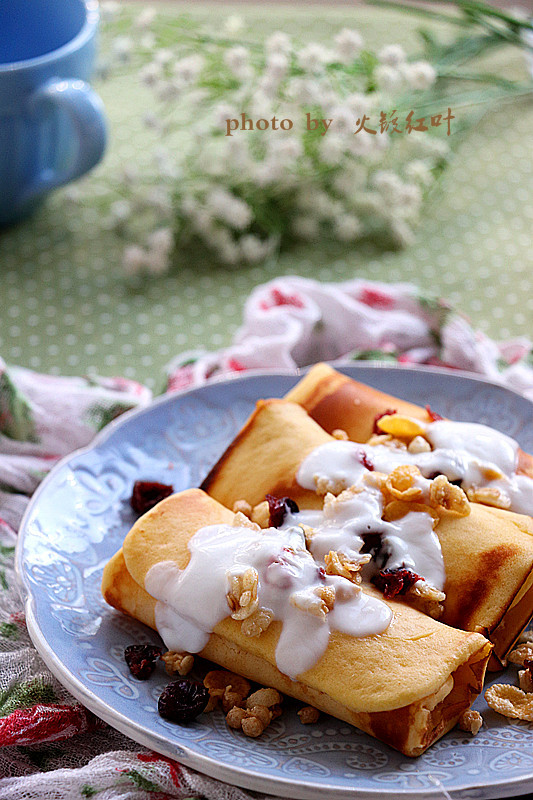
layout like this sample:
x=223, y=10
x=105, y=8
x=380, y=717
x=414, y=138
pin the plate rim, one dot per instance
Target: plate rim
x=206, y=764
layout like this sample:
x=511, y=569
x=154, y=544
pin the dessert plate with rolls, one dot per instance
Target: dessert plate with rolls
x=302, y=584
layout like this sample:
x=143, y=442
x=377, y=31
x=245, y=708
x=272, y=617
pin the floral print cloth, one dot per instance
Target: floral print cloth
x=52, y=747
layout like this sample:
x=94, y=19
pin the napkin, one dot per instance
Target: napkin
x=52, y=747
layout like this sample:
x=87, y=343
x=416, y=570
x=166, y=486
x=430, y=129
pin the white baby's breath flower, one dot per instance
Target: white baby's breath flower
x=306, y=227
x=234, y=24
x=388, y=183
x=157, y=262
x=349, y=44
x=366, y=144
x=285, y=149
x=228, y=208
x=120, y=211
x=402, y=232
x=419, y=172
x=151, y=73
x=332, y=149
x=145, y=18
x=122, y=48
x=237, y=59
x=388, y=78
x=160, y=200
x=163, y=56
x=277, y=65
x=161, y=240
x=392, y=54
x=409, y=199
x=188, y=69
x=420, y=75
x=252, y=248
x=344, y=120
x=305, y=91
x=221, y=113
x=168, y=90
x=347, y=227
x=147, y=41
x=313, y=57
x=152, y=121
x=202, y=222
x=109, y=9
x=360, y=104
x=134, y=259
x=165, y=163
x=278, y=42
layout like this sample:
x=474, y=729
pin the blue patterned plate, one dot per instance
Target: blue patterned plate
x=78, y=519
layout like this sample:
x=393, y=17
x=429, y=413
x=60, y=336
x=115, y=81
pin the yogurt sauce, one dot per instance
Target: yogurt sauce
x=475, y=454
x=410, y=541
x=192, y=601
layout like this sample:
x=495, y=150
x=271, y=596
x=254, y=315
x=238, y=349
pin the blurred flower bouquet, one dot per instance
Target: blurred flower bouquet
x=242, y=193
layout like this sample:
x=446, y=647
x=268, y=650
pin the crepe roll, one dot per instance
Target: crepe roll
x=336, y=401
x=405, y=679
x=486, y=556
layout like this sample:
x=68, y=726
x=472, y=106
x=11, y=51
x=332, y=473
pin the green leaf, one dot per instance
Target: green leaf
x=25, y=695
x=87, y=791
x=9, y=630
x=99, y=415
x=141, y=782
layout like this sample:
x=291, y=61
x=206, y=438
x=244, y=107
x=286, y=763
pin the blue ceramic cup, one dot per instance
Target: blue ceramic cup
x=52, y=124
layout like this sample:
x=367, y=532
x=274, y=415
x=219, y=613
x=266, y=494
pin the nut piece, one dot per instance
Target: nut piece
x=419, y=445
x=257, y=622
x=339, y=434
x=242, y=596
x=447, y=497
x=426, y=598
x=226, y=688
x=524, y=652
x=261, y=514
x=317, y=602
x=325, y=485
x=308, y=715
x=178, y=663
x=471, y=721
x=235, y=716
x=525, y=680
x=240, y=520
x=242, y=507
x=252, y=721
x=510, y=701
x=489, y=496
x=264, y=697
x=339, y=564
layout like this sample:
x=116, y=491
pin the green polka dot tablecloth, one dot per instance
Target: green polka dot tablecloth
x=69, y=308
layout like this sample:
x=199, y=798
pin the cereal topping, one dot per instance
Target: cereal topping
x=471, y=721
x=308, y=715
x=242, y=596
x=510, y=701
x=178, y=663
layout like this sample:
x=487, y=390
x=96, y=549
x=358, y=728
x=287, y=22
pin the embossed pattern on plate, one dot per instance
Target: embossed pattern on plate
x=78, y=519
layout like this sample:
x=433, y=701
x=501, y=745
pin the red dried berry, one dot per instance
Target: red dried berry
x=395, y=581
x=365, y=460
x=434, y=417
x=278, y=507
x=147, y=494
x=141, y=659
x=182, y=701
x=386, y=413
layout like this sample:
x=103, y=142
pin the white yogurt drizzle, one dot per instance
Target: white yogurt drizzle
x=474, y=454
x=409, y=542
x=191, y=602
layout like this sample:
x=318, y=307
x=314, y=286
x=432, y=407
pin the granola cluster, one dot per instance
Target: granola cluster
x=248, y=712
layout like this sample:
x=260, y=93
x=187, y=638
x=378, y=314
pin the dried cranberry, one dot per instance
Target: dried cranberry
x=182, y=701
x=146, y=494
x=278, y=507
x=386, y=413
x=321, y=572
x=434, y=417
x=365, y=461
x=394, y=581
x=141, y=659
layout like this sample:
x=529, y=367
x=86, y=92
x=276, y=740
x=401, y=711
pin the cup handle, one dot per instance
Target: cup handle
x=86, y=112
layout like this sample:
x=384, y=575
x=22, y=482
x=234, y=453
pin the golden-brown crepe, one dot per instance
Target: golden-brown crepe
x=406, y=686
x=488, y=555
x=336, y=401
